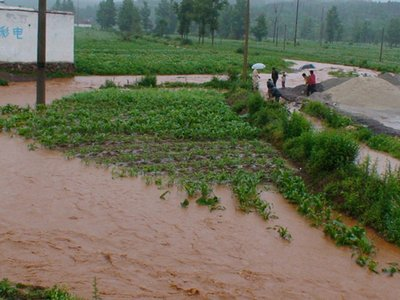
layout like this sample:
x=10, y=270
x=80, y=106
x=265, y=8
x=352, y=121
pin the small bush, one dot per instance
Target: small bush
x=299, y=148
x=186, y=42
x=256, y=102
x=240, y=107
x=108, y=84
x=239, y=50
x=332, y=151
x=295, y=126
x=148, y=81
x=3, y=82
x=233, y=75
x=363, y=134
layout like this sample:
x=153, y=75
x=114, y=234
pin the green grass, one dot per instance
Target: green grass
x=332, y=119
x=104, y=53
x=99, y=52
x=12, y=291
x=93, y=117
x=327, y=159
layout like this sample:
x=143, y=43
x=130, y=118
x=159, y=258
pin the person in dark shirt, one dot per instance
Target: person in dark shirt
x=274, y=75
x=276, y=93
x=270, y=86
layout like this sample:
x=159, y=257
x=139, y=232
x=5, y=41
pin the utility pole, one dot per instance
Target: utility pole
x=295, y=26
x=246, y=42
x=383, y=35
x=41, y=55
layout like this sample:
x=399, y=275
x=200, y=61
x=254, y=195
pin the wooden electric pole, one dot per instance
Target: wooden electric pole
x=41, y=55
x=246, y=42
x=295, y=26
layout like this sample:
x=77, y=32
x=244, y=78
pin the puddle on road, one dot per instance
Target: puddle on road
x=64, y=222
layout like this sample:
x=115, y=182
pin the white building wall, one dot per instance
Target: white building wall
x=18, y=36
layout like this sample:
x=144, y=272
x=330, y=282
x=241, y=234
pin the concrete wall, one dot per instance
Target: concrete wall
x=18, y=36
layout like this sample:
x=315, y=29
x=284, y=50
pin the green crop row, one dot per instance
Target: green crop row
x=105, y=53
x=99, y=52
x=91, y=117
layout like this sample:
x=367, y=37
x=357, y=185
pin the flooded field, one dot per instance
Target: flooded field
x=64, y=222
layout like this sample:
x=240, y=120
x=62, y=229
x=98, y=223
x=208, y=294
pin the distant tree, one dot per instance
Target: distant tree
x=213, y=16
x=137, y=22
x=393, y=32
x=226, y=21
x=145, y=13
x=57, y=5
x=307, y=29
x=129, y=19
x=165, y=16
x=260, y=30
x=184, y=11
x=65, y=5
x=334, y=27
x=363, y=32
x=238, y=19
x=161, y=27
x=106, y=14
x=200, y=16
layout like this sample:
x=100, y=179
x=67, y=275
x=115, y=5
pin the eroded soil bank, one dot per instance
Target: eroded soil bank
x=64, y=222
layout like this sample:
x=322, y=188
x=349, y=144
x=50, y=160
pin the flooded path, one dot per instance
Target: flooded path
x=64, y=222
x=24, y=93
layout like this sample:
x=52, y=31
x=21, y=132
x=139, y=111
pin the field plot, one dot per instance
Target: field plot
x=134, y=238
x=182, y=134
x=105, y=53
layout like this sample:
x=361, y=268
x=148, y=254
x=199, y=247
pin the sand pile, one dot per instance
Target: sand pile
x=367, y=92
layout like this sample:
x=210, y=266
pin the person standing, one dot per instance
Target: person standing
x=270, y=86
x=276, y=94
x=311, y=84
x=274, y=75
x=283, y=79
x=256, y=79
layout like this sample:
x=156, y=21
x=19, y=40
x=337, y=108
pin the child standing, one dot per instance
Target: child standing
x=283, y=80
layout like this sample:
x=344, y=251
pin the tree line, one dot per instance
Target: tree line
x=358, y=21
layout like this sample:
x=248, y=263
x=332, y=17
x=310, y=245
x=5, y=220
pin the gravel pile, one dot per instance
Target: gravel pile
x=390, y=77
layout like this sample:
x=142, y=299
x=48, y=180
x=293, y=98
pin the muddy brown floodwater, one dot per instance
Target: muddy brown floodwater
x=64, y=222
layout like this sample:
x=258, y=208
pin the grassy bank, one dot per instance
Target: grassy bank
x=332, y=119
x=18, y=291
x=327, y=163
